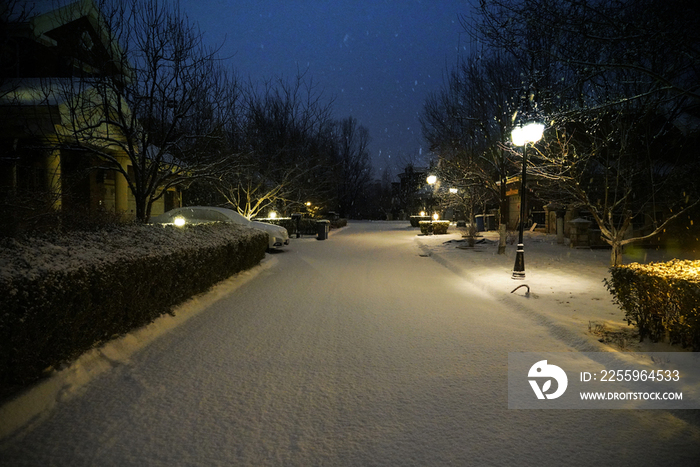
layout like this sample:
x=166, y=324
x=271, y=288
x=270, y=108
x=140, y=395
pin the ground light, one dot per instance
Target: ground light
x=521, y=136
x=179, y=221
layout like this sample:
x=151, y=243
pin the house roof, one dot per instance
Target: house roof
x=36, y=19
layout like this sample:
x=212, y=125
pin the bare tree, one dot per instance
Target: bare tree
x=625, y=168
x=465, y=123
x=618, y=84
x=282, y=151
x=353, y=168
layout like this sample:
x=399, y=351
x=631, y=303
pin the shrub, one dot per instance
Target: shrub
x=440, y=227
x=307, y=225
x=338, y=223
x=416, y=220
x=662, y=299
x=62, y=297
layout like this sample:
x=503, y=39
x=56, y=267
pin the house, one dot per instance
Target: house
x=46, y=159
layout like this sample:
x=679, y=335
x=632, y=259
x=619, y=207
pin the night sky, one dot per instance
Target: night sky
x=378, y=59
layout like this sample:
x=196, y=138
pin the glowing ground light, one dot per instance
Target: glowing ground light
x=273, y=215
x=422, y=213
x=179, y=221
x=435, y=216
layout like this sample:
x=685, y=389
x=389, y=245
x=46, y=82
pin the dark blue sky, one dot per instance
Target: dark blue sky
x=378, y=58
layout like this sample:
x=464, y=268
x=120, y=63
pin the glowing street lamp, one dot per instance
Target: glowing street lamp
x=521, y=136
x=432, y=179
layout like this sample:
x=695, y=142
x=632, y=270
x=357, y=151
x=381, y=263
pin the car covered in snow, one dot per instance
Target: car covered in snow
x=278, y=236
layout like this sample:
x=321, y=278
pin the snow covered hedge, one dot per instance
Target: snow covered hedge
x=62, y=296
x=415, y=220
x=307, y=226
x=662, y=299
x=434, y=227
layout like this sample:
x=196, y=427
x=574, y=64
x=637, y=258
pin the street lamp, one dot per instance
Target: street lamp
x=521, y=136
x=432, y=179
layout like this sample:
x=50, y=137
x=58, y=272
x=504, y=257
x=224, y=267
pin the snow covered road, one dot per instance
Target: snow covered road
x=369, y=348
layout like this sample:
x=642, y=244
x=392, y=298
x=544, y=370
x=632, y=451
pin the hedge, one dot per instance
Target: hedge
x=307, y=225
x=415, y=220
x=55, y=307
x=662, y=299
x=434, y=227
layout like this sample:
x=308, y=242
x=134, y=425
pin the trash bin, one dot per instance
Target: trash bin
x=489, y=222
x=323, y=227
x=479, y=222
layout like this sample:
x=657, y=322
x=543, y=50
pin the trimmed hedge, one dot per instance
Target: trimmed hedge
x=416, y=220
x=54, y=309
x=307, y=225
x=662, y=299
x=434, y=227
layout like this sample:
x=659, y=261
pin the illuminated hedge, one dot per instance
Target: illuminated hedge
x=662, y=299
x=435, y=227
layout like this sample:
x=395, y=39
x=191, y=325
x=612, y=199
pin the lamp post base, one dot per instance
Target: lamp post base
x=519, y=268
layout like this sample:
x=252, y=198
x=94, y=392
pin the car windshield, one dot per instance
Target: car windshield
x=210, y=215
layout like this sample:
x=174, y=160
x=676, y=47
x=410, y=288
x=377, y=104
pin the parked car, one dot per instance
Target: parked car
x=278, y=236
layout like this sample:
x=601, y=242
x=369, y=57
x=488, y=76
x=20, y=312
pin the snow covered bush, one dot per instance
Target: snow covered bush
x=61, y=296
x=416, y=220
x=307, y=226
x=434, y=227
x=440, y=227
x=662, y=299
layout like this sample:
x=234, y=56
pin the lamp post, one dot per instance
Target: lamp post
x=522, y=135
x=432, y=180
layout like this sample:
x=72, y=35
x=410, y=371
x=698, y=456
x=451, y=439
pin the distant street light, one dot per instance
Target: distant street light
x=432, y=179
x=521, y=136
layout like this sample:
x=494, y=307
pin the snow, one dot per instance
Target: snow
x=50, y=253
x=374, y=347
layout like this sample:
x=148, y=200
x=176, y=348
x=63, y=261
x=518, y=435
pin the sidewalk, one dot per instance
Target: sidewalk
x=566, y=289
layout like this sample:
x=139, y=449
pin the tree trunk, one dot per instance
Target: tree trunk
x=616, y=253
x=502, y=239
x=502, y=212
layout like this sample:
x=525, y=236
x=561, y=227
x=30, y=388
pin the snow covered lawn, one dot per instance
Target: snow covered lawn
x=566, y=284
